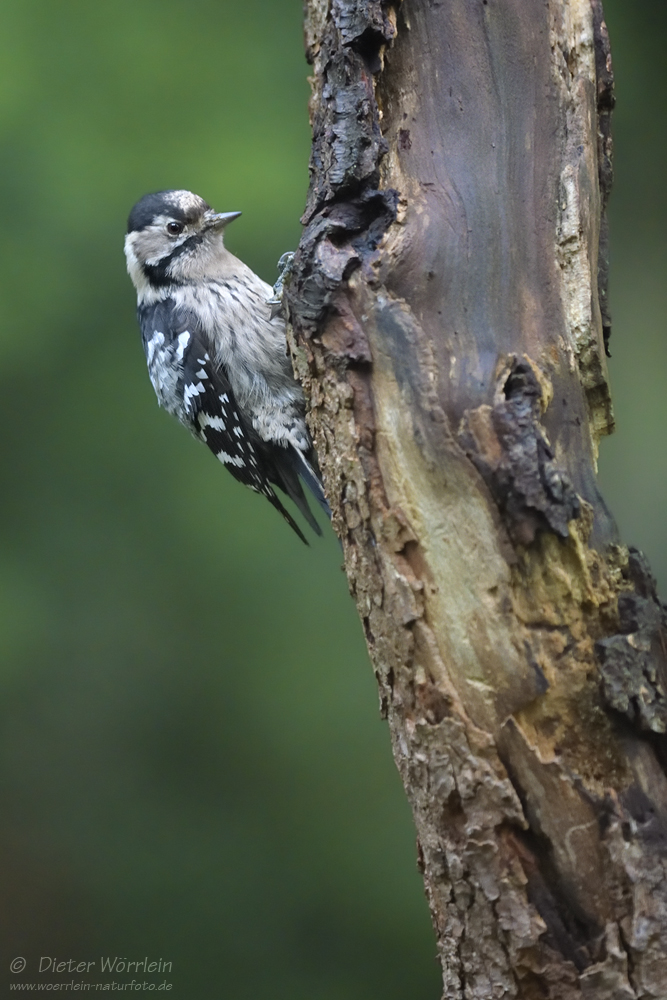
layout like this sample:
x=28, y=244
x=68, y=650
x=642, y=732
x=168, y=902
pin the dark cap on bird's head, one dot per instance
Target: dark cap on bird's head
x=181, y=206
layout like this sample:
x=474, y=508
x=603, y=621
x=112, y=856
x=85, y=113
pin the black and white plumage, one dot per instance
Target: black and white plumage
x=216, y=355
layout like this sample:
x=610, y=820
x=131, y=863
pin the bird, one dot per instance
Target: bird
x=216, y=350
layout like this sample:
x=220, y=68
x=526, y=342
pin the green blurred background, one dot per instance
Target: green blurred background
x=193, y=766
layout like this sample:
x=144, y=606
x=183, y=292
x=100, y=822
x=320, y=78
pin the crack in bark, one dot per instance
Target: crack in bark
x=605, y=105
x=510, y=448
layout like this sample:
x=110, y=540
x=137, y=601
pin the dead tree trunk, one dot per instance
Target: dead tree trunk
x=449, y=319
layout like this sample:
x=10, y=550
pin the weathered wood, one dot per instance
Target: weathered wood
x=449, y=319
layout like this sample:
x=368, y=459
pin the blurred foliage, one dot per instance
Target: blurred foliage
x=193, y=765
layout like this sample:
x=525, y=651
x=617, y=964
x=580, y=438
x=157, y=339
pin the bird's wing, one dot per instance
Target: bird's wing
x=176, y=348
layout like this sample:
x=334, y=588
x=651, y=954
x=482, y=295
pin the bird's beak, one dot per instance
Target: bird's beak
x=218, y=220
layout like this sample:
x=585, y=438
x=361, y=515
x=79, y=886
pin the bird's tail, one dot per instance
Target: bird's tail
x=312, y=477
x=272, y=498
x=293, y=468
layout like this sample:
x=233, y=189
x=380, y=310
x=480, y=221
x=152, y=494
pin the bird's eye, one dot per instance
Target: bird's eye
x=175, y=228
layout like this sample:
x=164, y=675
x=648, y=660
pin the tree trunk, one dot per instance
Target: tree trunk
x=449, y=322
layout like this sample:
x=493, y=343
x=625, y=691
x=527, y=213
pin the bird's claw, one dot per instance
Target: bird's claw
x=284, y=274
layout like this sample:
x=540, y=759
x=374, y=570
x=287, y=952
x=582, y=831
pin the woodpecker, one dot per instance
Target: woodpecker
x=216, y=351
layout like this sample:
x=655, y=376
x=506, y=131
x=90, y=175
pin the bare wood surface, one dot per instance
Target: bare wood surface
x=449, y=318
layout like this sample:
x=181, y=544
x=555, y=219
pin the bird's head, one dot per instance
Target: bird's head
x=173, y=237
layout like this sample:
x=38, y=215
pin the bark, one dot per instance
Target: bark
x=448, y=318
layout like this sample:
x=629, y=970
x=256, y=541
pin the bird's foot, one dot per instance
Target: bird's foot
x=284, y=274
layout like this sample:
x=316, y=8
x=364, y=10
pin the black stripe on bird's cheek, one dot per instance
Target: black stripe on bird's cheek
x=158, y=275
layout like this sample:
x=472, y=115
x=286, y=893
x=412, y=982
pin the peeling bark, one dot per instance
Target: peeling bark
x=449, y=321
